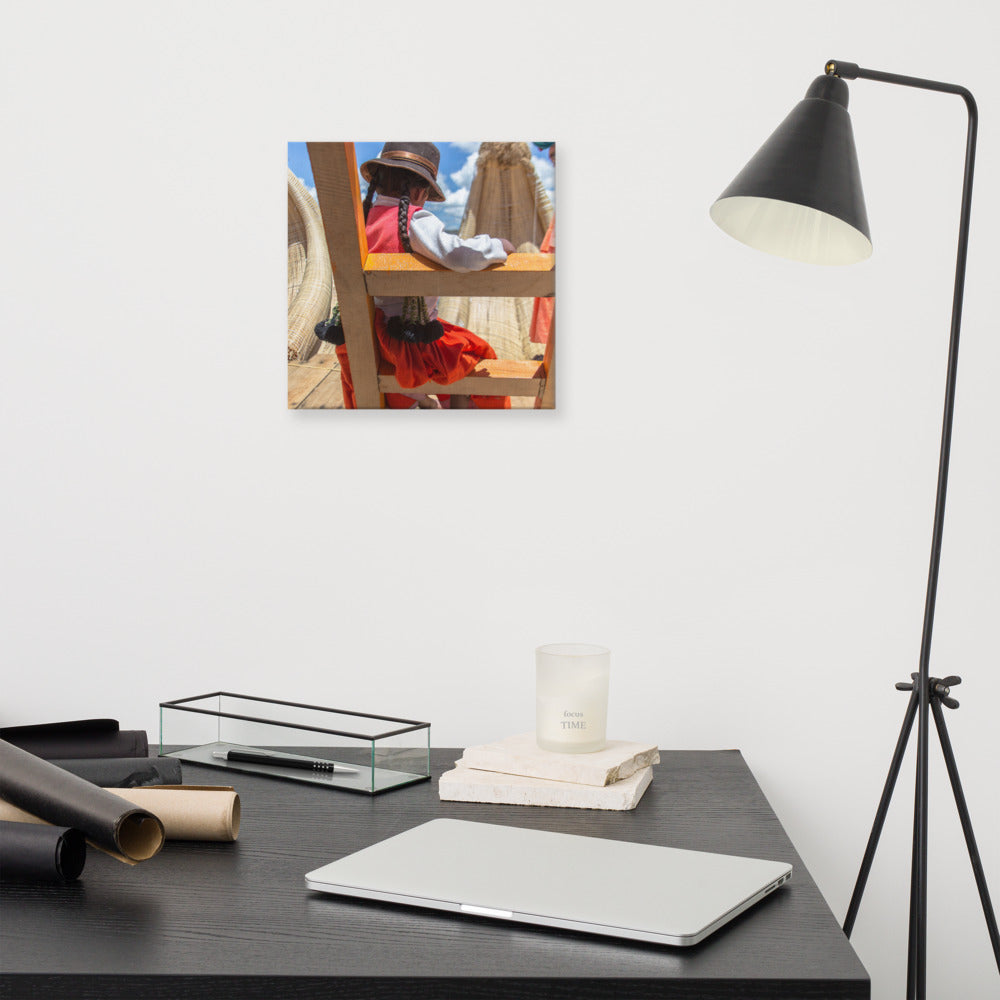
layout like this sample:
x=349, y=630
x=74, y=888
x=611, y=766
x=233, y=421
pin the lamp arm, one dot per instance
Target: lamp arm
x=852, y=71
x=918, y=899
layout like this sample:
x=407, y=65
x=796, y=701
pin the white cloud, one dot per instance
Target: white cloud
x=463, y=176
x=451, y=210
x=546, y=171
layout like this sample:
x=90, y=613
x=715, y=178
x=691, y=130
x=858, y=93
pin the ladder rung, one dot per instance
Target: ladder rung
x=530, y=275
x=495, y=377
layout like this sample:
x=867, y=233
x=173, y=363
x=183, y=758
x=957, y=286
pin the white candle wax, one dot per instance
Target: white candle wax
x=572, y=698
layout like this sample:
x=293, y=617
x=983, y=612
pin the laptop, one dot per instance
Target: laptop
x=636, y=891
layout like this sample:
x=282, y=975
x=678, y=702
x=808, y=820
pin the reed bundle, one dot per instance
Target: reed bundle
x=503, y=322
x=507, y=200
x=310, y=278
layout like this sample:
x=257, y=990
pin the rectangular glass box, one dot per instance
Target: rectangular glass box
x=369, y=753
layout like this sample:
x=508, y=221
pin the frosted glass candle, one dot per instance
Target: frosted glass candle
x=571, y=708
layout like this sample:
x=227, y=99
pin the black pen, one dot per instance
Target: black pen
x=275, y=760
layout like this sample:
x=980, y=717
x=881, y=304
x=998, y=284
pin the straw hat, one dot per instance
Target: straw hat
x=420, y=158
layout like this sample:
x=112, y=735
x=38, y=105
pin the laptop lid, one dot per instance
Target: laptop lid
x=638, y=891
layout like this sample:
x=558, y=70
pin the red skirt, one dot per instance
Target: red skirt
x=449, y=358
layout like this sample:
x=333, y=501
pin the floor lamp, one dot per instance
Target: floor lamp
x=800, y=197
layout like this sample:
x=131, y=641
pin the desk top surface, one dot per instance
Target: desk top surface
x=219, y=920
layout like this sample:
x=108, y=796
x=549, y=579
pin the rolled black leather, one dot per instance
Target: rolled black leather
x=125, y=772
x=36, y=853
x=78, y=738
x=51, y=794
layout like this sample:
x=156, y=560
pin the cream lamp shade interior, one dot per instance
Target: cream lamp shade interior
x=800, y=195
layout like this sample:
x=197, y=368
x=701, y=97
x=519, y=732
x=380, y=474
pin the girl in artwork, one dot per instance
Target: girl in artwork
x=422, y=347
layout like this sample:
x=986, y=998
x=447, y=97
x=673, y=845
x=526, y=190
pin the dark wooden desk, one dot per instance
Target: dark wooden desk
x=235, y=920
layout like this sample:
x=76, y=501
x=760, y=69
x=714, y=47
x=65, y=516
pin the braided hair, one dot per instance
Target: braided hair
x=403, y=223
x=413, y=326
x=396, y=183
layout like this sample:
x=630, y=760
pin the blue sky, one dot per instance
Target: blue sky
x=458, y=164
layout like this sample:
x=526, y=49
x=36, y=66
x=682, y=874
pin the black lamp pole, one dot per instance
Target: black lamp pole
x=800, y=197
x=930, y=691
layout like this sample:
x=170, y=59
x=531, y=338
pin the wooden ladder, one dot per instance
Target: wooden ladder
x=359, y=275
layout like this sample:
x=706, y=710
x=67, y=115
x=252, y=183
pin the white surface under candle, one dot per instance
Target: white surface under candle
x=466, y=784
x=521, y=755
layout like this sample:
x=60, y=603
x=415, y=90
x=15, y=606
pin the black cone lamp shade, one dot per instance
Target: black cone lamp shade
x=800, y=196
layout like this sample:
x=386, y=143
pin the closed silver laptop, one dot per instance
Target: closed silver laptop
x=637, y=891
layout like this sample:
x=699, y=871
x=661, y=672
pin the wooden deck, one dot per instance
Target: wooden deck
x=314, y=384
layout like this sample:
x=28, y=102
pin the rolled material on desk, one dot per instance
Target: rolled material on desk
x=63, y=799
x=187, y=812
x=41, y=853
x=190, y=812
x=125, y=772
x=78, y=738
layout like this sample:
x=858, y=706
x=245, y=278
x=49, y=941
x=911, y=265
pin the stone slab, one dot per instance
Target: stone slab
x=467, y=784
x=521, y=755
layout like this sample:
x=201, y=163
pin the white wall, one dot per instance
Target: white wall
x=735, y=493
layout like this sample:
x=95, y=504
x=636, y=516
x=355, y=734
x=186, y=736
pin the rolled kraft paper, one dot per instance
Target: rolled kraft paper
x=187, y=812
x=63, y=799
x=190, y=812
x=125, y=772
x=78, y=738
x=41, y=853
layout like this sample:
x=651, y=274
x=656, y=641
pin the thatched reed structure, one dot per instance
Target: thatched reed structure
x=310, y=279
x=507, y=200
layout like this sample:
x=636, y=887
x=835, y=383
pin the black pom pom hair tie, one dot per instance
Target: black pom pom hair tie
x=401, y=328
x=331, y=330
x=411, y=327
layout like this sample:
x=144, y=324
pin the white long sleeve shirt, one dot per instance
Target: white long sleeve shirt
x=428, y=238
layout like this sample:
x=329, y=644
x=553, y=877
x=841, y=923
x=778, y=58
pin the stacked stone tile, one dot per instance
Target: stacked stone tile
x=515, y=771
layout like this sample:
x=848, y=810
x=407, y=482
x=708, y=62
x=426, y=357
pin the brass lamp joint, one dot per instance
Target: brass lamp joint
x=844, y=70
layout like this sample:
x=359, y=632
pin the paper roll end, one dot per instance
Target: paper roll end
x=71, y=854
x=236, y=816
x=139, y=835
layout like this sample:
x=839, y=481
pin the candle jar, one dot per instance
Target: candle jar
x=571, y=708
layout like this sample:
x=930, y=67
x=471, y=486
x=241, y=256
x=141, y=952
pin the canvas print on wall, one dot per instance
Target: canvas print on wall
x=421, y=275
